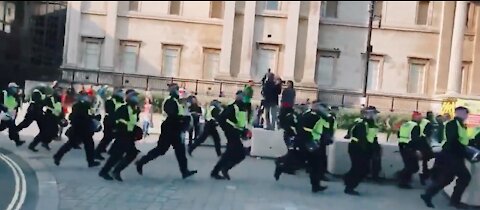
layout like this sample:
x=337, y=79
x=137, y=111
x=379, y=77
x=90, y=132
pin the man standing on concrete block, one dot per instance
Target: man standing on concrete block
x=450, y=163
x=408, y=137
x=364, y=134
x=233, y=121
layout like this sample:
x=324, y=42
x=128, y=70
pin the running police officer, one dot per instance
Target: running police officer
x=172, y=128
x=364, y=134
x=123, y=150
x=408, y=138
x=111, y=106
x=9, y=104
x=210, y=128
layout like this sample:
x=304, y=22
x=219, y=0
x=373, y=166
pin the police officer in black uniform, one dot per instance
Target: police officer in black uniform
x=53, y=117
x=408, y=139
x=9, y=104
x=291, y=161
x=34, y=110
x=233, y=121
x=172, y=128
x=210, y=128
x=111, y=106
x=450, y=163
x=82, y=130
x=360, y=149
x=123, y=150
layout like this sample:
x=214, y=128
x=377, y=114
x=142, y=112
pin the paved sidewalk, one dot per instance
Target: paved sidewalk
x=161, y=187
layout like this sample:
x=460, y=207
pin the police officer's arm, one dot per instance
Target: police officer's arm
x=415, y=135
x=121, y=119
x=170, y=108
x=227, y=113
x=360, y=132
x=428, y=130
x=29, y=117
x=475, y=142
x=3, y=108
x=216, y=113
x=453, y=139
x=110, y=106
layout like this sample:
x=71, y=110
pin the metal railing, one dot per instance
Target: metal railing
x=227, y=88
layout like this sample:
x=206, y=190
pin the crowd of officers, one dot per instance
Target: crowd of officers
x=308, y=130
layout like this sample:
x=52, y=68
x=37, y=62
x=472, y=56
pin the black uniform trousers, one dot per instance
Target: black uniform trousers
x=316, y=161
x=410, y=163
x=234, y=154
x=376, y=161
x=427, y=154
x=210, y=129
x=360, y=159
x=445, y=169
x=170, y=136
x=294, y=159
x=76, y=137
x=195, y=129
x=48, y=126
x=108, y=135
x=12, y=129
x=122, y=153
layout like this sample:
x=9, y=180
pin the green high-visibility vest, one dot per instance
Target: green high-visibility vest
x=57, y=107
x=422, y=125
x=132, y=121
x=462, y=134
x=181, y=110
x=117, y=104
x=9, y=101
x=240, y=116
x=371, y=133
x=208, y=115
x=406, y=132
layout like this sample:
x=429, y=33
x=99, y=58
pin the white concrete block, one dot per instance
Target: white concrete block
x=266, y=143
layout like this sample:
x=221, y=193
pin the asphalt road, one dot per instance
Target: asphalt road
x=18, y=183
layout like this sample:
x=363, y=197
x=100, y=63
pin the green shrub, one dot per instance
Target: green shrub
x=346, y=119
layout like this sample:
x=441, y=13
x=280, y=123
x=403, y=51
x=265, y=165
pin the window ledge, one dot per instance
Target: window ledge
x=421, y=29
x=92, y=12
x=336, y=22
x=176, y=18
x=273, y=13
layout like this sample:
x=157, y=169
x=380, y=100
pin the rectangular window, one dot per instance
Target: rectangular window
x=267, y=59
x=325, y=67
x=129, y=56
x=211, y=63
x=329, y=9
x=465, y=79
x=272, y=5
x=373, y=74
x=170, y=61
x=91, y=53
x=416, y=78
x=216, y=9
x=422, y=12
x=133, y=6
x=378, y=7
x=174, y=8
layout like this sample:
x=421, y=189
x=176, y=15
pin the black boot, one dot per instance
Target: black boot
x=318, y=188
x=216, y=176
x=19, y=143
x=46, y=146
x=32, y=148
x=277, y=173
x=105, y=175
x=188, y=174
x=428, y=200
x=116, y=175
x=98, y=156
x=350, y=191
x=139, y=166
x=225, y=173
x=93, y=164
x=56, y=160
